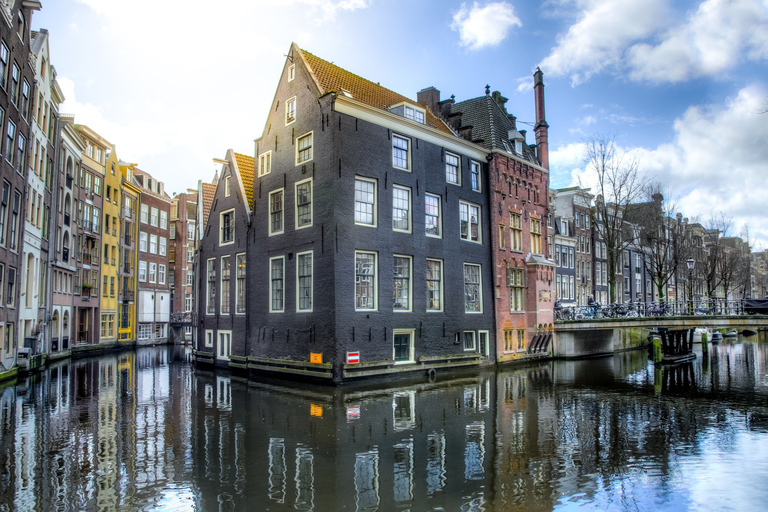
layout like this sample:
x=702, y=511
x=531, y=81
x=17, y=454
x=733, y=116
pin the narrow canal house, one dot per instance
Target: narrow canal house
x=368, y=243
x=518, y=188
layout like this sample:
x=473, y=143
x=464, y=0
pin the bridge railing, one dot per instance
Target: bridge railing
x=651, y=309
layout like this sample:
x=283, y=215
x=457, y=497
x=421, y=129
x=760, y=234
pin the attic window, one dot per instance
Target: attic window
x=347, y=93
x=519, y=147
x=291, y=72
x=416, y=115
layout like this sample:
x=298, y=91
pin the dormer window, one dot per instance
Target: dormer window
x=519, y=147
x=416, y=115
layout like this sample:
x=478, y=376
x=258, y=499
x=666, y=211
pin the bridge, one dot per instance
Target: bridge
x=609, y=335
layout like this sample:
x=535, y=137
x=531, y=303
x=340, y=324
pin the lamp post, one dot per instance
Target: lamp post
x=690, y=262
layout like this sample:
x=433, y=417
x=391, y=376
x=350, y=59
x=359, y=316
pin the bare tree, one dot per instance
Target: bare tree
x=717, y=267
x=619, y=183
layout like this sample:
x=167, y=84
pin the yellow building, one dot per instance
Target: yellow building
x=129, y=234
x=110, y=275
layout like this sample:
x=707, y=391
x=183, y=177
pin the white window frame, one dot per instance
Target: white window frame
x=442, y=286
x=439, y=215
x=409, y=209
x=409, y=305
x=222, y=295
x=144, y=214
x=161, y=271
x=291, y=72
x=458, y=168
x=469, y=207
x=271, y=309
x=154, y=215
x=288, y=102
x=309, y=134
x=265, y=163
x=226, y=186
x=411, y=349
x=210, y=263
x=311, y=203
x=163, y=219
x=152, y=272
x=143, y=241
x=219, y=348
x=221, y=227
x=414, y=111
x=473, y=348
x=479, y=288
x=311, y=282
x=237, y=284
x=375, y=283
x=375, y=216
x=142, y=271
x=472, y=166
x=282, y=212
x=407, y=152
x=152, y=244
x=209, y=338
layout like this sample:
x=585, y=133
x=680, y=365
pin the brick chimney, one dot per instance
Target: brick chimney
x=541, y=128
x=429, y=97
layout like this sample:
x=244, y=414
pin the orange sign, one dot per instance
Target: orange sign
x=316, y=410
x=315, y=358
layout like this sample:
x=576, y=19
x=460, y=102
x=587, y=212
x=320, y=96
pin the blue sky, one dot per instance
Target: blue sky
x=680, y=84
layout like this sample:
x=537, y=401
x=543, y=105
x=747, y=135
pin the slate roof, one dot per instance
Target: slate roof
x=490, y=125
x=332, y=78
x=246, y=165
x=209, y=192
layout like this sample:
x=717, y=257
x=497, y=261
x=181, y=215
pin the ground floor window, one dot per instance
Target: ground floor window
x=145, y=331
x=159, y=330
x=520, y=339
x=209, y=338
x=225, y=345
x=509, y=340
x=402, y=345
x=470, y=343
x=107, y=325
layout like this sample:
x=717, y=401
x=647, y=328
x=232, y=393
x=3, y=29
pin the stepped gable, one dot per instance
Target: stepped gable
x=332, y=78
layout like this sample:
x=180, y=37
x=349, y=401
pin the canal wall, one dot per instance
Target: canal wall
x=598, y=342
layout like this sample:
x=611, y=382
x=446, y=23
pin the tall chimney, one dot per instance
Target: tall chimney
x=430, y=98
x=542, y=146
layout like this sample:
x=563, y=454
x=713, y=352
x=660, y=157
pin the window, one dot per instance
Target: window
x=473, y=302
x=163, y=245
x=469, y=216
x=225, y=264
x=402, y=283
x=434, y=285
x=290, y=111
x=145, y=214
x=304, y=281
x=163, y=220
x=265, y=163
x=277, y=279
x=415, y=114
x=365, y=281
x=143, y=237
x=10, y=294
x=14, y=219
x=104, y=289
x=474, y=171
x=24, y=106
x=224, y=346
x=240, y=285
x=520, y=339
x=143, y=271
x=516, y=289
x=227, y=227
x=3, y=209
x=15, y=76
x=400, y=154
x=304, y=204
x=190, y=231
x=402, y=345
x=276, y=212
x=188, y=302
x=401, y=208
x=152, y=272
x=97, y=186
x=365, y=201
x=452, y=168
x=502, y=235
x=432, y=211
x=470, y=344
x=160, y=274
x=226, y=186
x=145, y=331
x=190, y=277
x=536, y=236
x=291, y=72
x=3, y=65
x=10, y=137
x=152, y=244
x=304, y=148
x=210, y=304
x=509, y=340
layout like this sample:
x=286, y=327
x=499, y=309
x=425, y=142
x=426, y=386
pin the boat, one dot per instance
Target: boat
x=731, y=334
x=748, y=332
x=717, y=337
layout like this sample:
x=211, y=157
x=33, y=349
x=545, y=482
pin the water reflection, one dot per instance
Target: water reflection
x=146, y=431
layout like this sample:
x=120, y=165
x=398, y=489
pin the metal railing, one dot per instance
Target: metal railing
x=703, y=307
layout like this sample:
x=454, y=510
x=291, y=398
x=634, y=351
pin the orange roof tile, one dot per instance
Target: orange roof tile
x=246, y=165
x=333, y=78
x=209, y=192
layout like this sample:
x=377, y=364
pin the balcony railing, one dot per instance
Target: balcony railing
x=629, y=309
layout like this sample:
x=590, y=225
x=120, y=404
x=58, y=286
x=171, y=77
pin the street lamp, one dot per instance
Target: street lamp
x=690, y=262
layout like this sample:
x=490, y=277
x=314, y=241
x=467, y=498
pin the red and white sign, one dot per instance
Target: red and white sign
x=353, y=412
x=353, y=357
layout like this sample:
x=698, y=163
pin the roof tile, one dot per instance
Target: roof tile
x=246, y=165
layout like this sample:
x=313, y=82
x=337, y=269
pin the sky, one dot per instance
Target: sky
x=680, y=84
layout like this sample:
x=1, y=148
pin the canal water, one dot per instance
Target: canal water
x=146, y=430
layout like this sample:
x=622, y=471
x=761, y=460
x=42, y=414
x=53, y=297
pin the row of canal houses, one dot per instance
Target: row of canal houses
x=87, y=241
x=369, y=234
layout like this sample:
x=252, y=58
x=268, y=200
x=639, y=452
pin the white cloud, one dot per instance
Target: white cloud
x=636, y=37
x=479, y=27
x=597, y=40
x=717, y=161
